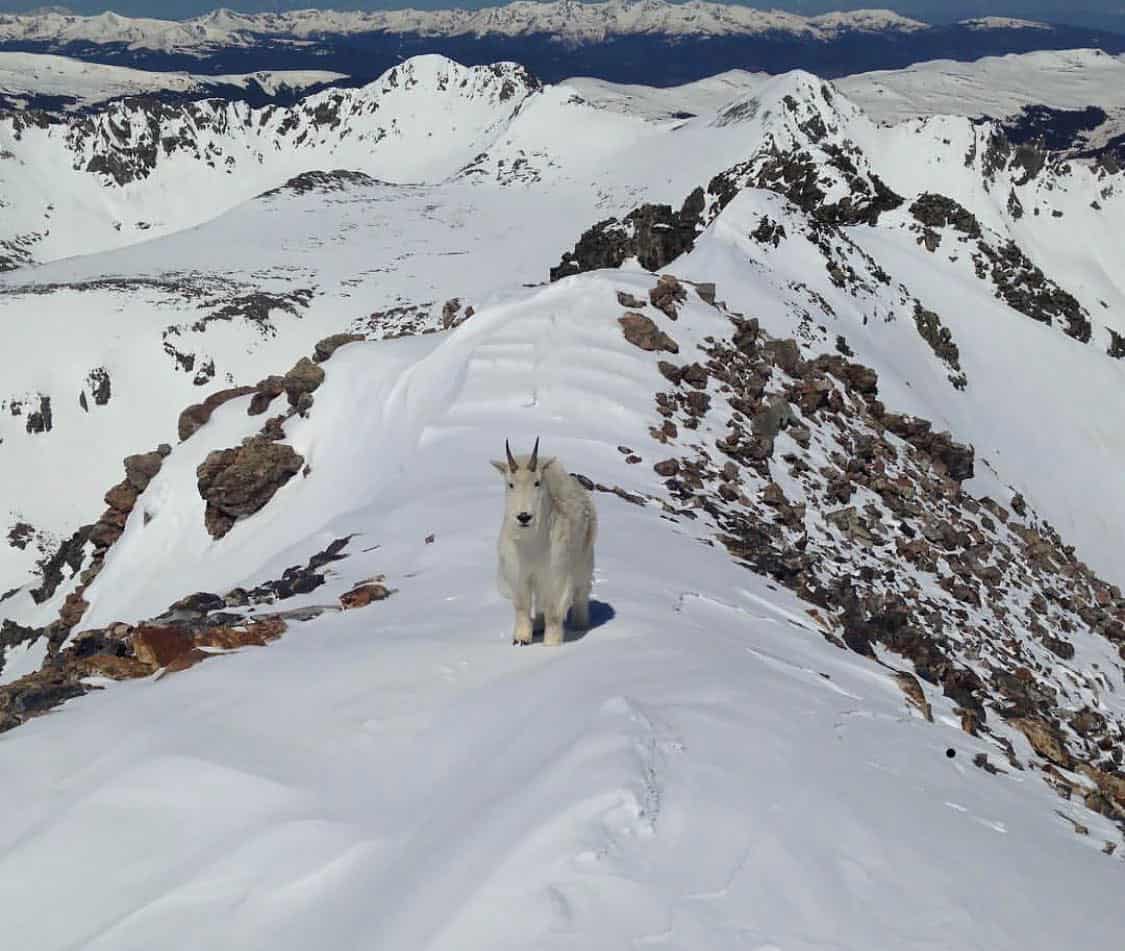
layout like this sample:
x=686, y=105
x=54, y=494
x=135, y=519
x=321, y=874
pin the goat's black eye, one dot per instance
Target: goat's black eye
x=511, y=485
x=537, y=485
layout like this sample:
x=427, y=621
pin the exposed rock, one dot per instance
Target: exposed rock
x=363, y=595
x=940, y=341
x=141, y=469
x=653, y=234
x=197, y=415
x=641, y=332
x=20, y=534
x=304, y=378
x=41, y=420
x=912, y=689
x=667, y=294
x=329, y=345
x=238, y=482
x=785, y=354
x=938, y=211
x=1045, y=740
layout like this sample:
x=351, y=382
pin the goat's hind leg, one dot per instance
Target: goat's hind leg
x=553, y=633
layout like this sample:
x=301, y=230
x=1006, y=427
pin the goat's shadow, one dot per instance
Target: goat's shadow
x=601, y=613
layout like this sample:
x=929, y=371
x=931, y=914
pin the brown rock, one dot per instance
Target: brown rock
x=641, y=332
x=667, y=468
x=629, y=302
x=672, y=373
x=1045, y=740
x=305, y=377
x=785, y=354
x=667, y=294
x=363, y=595
x=74, y=607
x=329, y=345
x=912, y=689
x=238, y=482
x=197, y=415
x=121, y=497
x=695, y=375
x=113, y=667
x=184, y=661
x=141, y=469
x=156, y=646
x=773, y=495
x=254, y=634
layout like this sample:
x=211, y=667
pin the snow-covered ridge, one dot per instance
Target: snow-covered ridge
x=993, y=86
x=1003, y=23
x=565, y=18
x=27, y=76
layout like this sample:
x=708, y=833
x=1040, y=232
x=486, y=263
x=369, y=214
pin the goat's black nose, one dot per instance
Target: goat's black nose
x=523, y=518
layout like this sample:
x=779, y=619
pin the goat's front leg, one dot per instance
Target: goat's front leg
x=521, y=601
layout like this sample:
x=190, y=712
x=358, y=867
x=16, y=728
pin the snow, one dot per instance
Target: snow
x=995, y=86
x=566, y=18
x=26, y=75
x=700, y=770
x=663, y=103
x=1004, y=23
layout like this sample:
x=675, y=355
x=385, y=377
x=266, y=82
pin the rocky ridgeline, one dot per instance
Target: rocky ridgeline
x=124, y=141
x=796, y=467
x=1023, y=286
x=194, y=629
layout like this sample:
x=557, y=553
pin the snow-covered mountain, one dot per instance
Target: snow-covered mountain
x=844, y=392
x=649, y=41
x=569, y=19
x=49, y=83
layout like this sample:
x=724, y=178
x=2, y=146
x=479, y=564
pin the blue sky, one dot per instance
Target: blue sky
x=1104, y=14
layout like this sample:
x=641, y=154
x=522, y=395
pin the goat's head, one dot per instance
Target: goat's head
x=525, y=499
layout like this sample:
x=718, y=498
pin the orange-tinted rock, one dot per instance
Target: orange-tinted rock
x=159, y=646
x=363, y=595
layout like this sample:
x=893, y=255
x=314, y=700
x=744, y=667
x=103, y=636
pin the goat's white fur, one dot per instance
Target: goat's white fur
x=547, y=564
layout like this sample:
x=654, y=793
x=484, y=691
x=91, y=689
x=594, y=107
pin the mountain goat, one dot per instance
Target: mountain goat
x=546, y=546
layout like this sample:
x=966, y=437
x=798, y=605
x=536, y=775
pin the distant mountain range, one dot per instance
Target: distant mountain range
x=649, y=41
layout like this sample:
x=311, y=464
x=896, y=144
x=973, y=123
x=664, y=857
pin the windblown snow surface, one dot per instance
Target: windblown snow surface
x=702, y=769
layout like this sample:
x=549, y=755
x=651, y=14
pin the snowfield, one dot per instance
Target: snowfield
x=709, y=766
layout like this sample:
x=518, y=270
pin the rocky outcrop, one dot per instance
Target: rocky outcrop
x=940, y=341
x=938, y=211
x=196, y=416
x=641, y=332
x=42, y=419
x=1026, y=289
x=653, y=234
x=238, y=482
x=198, y=627
x=329, y=345
x=302, y=380
x=363, y=595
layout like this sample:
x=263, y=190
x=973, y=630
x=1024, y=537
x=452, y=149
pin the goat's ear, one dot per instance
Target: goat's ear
x=501, y=467
x=544, y=463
